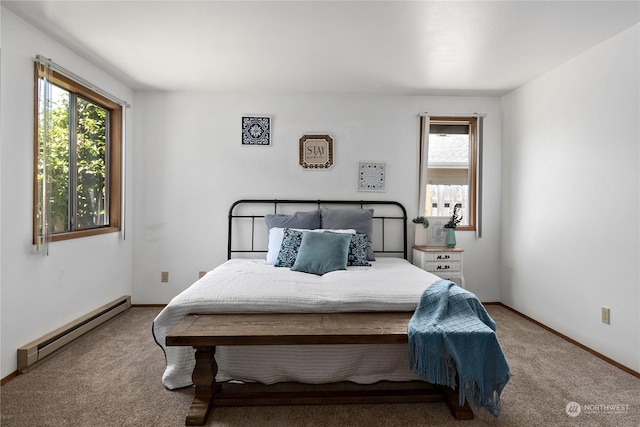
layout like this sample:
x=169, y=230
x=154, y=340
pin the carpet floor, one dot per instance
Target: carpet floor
x=111, y=377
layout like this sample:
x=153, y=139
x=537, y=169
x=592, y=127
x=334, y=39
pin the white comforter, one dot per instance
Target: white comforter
x=245, y=286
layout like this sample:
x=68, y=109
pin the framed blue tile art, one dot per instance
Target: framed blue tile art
x=256, y=130
x=371, y=176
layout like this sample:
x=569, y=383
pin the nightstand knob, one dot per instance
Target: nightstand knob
x=443, y=257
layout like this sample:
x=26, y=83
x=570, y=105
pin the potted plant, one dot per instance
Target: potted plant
x=451, y=227
x=421, y=232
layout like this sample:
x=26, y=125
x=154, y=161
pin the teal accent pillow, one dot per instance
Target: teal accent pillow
x=321, y=253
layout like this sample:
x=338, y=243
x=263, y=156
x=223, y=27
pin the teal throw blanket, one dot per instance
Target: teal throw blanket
x=451, y=334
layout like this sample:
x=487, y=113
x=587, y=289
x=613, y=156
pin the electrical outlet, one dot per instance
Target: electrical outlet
x=201, y=273
x=164, y=277
x=606, y=313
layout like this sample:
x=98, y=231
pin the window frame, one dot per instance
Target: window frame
x=473, y=164
x=113, y=158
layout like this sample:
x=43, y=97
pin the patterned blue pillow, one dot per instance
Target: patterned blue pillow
x=358, y=251
x=289, y=248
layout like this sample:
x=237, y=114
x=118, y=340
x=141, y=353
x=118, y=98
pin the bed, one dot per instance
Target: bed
x=255, y=279
x=391, y=283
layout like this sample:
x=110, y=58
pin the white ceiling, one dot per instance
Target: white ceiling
x=392, y=47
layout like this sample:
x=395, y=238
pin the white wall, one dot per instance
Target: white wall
x=40, y=293
x=571, y=140
x=190, y=167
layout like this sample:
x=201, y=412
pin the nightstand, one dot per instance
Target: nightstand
x=441, y=261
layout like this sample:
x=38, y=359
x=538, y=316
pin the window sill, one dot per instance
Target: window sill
x=83, y=233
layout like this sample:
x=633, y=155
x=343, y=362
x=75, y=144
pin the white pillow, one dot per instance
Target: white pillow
x=276, y=234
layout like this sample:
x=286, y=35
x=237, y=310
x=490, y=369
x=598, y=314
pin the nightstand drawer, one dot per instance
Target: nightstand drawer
x=456, y=278
x=443, y=256
x=436, y=267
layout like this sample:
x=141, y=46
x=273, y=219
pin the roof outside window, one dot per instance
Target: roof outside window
x=448, y=150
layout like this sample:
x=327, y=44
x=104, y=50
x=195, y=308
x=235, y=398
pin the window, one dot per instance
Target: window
x=78, y=141
x=449, y=167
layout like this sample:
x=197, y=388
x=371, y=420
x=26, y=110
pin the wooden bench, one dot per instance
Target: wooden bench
x=205, y=332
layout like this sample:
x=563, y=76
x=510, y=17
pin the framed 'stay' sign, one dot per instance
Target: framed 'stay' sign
x=316, y=151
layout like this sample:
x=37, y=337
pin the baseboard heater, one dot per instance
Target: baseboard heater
x=47, y=344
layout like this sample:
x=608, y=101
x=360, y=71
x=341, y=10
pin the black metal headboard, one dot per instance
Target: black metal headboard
x=248, y=235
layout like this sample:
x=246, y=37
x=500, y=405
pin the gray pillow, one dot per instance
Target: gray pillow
x=305, y=220
x=322, y=253
x=359, y=219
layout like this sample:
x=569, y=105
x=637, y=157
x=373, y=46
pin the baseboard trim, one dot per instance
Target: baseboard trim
x=47, y=344
x=571, y=340
x=9, y=377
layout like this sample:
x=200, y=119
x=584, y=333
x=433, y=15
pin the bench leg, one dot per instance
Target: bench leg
x=459, y=412
x=204, y=378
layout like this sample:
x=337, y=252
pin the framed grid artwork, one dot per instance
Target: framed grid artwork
x=371, y=176
x=256, y=130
